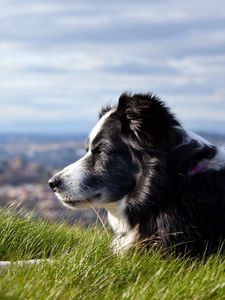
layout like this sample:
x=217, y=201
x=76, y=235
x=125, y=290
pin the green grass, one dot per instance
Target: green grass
x=84, y=268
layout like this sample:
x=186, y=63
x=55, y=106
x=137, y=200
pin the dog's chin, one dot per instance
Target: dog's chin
x=78, y=204
x=83, y=204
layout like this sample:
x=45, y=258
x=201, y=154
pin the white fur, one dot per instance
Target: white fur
x=116, y=216
x=125, y=235
x=74, y=173
x=121, y=244
x=99, y=125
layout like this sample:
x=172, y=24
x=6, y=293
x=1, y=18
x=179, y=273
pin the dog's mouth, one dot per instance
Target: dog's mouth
x=74, y=202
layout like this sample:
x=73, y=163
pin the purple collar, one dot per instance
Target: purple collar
x=200, y=167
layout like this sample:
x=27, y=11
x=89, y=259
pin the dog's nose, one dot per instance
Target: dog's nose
x=54, y=183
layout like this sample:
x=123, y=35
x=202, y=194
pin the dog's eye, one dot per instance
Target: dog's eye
x=96, y=150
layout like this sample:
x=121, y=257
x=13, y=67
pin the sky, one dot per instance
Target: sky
x=60, y=61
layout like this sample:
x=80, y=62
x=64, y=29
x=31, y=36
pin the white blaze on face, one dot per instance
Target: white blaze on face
x=99, y=125
x=74, y=174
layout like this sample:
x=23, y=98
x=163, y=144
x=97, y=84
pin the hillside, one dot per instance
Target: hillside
x=84, y=268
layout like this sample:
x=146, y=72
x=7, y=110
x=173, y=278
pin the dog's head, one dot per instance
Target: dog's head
x=104, y=174
x=126, y=139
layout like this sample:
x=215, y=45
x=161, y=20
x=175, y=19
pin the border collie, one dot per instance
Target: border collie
x=161, y=184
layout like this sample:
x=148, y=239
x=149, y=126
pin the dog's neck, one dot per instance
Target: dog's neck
x=125, y=236
x=117, y=217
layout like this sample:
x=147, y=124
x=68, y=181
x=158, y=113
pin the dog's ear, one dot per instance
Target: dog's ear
x=185, y=157
x=147, y=120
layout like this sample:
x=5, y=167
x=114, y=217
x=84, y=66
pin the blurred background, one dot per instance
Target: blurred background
x=62, y=60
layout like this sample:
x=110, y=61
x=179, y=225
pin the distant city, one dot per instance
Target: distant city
x=26, y=164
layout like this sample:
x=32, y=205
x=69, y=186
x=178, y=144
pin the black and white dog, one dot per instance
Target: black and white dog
x=160, y=183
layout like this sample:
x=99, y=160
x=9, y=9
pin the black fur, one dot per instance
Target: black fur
x=169, y=206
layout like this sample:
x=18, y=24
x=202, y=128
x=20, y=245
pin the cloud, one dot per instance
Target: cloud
x=63, y=60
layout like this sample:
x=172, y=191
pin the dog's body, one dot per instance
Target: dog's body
x=161, y=184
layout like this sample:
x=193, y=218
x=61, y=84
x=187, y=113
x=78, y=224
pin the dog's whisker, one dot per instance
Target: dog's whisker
x=102, y=222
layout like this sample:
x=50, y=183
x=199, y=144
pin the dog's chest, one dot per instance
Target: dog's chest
x=118, y=224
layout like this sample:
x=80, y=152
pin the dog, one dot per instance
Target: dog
x=162, y=185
